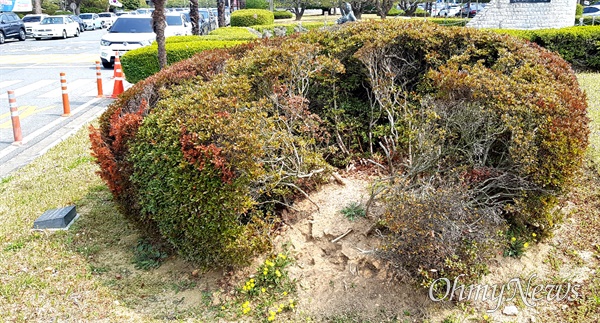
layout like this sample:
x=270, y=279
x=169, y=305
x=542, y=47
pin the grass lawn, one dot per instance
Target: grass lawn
x=89, y=272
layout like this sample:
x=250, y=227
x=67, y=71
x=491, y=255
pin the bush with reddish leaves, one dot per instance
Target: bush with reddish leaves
x=502, y=120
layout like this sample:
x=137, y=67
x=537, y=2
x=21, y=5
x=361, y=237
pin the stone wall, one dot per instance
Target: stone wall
x=519, y=15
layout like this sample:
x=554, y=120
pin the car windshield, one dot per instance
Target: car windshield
x=85, y=16
x=590, y=10
x=32, y=19
x=104, y=14
x=52, y=21
x=174, y=21
x=132, y=25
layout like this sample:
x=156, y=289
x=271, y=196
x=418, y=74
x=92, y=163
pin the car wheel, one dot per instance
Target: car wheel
x=22, y=35
x=77, y=32
x=38, y=38
x=107, y=64
x=64, y=36
x=2, y=39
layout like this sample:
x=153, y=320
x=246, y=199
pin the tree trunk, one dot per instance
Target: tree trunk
x=159, y=23
x=221, y=12
x=383, y=7
x=298, y=11
x=37, y=6
x=195, y=17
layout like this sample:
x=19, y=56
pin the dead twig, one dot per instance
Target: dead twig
x=339, y=179
x=341, y=237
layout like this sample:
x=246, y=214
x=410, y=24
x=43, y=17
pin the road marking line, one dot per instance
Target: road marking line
x=45, y=128
x=24, y=112
x=70, y=87
x=55, y=58
x=6, y=84
x=28, y=88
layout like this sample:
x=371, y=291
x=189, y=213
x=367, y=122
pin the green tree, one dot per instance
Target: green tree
x=359, y=6
x=409, y=6
x=132, y=4
x=383, y=7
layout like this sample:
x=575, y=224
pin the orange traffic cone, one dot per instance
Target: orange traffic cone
x=118, y=87
x=117, y=66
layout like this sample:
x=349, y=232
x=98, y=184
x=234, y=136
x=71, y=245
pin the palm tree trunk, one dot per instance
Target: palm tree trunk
x=194, y=17
x=159, y=23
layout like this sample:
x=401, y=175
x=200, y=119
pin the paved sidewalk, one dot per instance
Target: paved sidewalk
x=39, y=142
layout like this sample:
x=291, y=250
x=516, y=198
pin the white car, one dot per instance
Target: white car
x=56, y=26
x=590, y=11
x=177, y=25
x=107, y=19
x=127, y=33
x=449, y=11
x=31, y=21
x=91, y=20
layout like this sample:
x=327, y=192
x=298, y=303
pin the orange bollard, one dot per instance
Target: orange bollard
x=117, y=66
x=14, y=116
x=99, y=80
x=65, y=95
x=118, y=87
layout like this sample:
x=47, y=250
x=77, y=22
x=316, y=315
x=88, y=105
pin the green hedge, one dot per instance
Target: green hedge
x=580, y=46
x=257, y=4
x=587, y=21
x=460, y=22
x=233, y=33
x=283, y=14
x=395, y=12
x=143, y=62
x=290, y=27
x=251, y=17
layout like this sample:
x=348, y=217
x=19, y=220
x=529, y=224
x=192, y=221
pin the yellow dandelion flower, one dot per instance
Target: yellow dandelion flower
x=513, y=239
x=526, y=244
x=277, y=273
x=263, y=290
x=222, y=307
x=284, y=293
x=485, y=317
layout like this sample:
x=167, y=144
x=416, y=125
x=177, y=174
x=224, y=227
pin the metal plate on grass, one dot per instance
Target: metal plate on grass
x=56, y=219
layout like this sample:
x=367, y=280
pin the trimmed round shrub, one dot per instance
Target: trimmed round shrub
x=205, y=163
x=481, y=134
x=282, y=15
x=251, y=17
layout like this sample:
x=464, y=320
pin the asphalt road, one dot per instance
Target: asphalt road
x=32, y=69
